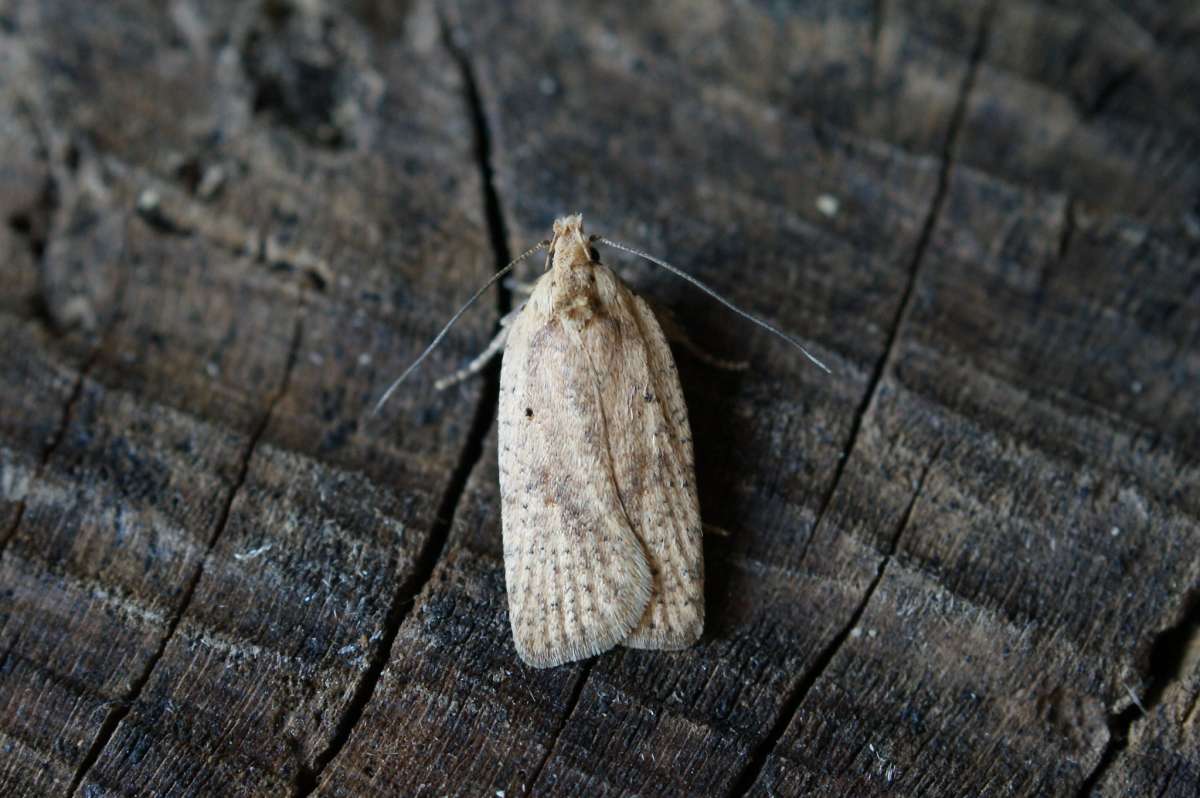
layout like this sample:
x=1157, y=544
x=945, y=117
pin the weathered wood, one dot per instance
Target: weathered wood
x=1161, y=754
x=967, y=563
x=202, y=577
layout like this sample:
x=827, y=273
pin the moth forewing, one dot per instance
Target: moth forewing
x=662, y=495
x=599, y=509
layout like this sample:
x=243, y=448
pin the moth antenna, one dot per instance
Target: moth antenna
x=766, y=325
x=437, y=340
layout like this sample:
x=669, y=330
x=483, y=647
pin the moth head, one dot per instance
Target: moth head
x=570, y=245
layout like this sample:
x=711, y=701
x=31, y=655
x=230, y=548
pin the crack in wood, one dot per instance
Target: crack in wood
x=1169, y=653
x=49, y=206
x=792, y=704
x=308, y=778
x=762, y=752
x=1108, y=91
x=118, y=713
x=1067, y=233
x=572, y=703
x=51, y=446
x=935, y=209
x=877, y=16
x=497, y=229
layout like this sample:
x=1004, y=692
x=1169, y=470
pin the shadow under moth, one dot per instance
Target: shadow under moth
x=601, y=521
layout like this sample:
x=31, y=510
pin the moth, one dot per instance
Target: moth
x=599, y=510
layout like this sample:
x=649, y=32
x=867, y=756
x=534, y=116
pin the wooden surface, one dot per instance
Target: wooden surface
x=968, y=563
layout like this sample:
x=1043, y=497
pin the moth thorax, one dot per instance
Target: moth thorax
x=571, y=252
x=573, y=290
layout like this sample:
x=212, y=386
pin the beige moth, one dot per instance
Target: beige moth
x=599, y=511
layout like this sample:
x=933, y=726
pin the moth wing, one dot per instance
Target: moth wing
x=577, y=577
x=655, y=473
